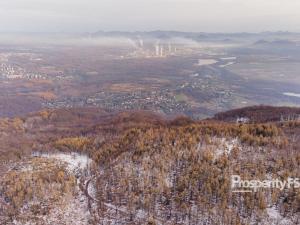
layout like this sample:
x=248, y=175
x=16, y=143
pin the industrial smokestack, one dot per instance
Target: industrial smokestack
x=141, y=43
x=170, y=47
x=161, y=51
x=157, y=50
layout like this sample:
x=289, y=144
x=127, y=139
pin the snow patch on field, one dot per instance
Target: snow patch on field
x=73, y=160
x=229, y=58
x=227, y=64
x=203, y=62
x=291, y=94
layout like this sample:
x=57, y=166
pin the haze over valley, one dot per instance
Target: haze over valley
x=172, y=73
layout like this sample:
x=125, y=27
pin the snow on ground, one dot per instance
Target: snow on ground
x=75, y=212
x=274, y=217
x=203, y=62
x=72, y=209
x=91, y=189
x=229, y=58
x=291, y=94
x=227, y=64
x=73, y=160
x=195, y=75
x=111, y=206
x=225, y=146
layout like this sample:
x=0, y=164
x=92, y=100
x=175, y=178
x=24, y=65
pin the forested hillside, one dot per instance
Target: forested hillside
x=260, y=114
x=141, y=168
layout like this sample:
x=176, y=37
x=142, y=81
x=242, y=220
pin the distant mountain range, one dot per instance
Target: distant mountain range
x=193, y=35
x=276, y=42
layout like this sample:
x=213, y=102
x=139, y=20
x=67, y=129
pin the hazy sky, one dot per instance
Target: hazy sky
x=143, y=15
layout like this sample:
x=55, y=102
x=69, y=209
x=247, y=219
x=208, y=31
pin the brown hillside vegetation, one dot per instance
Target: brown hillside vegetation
x=260, y=114
x=149, y=170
